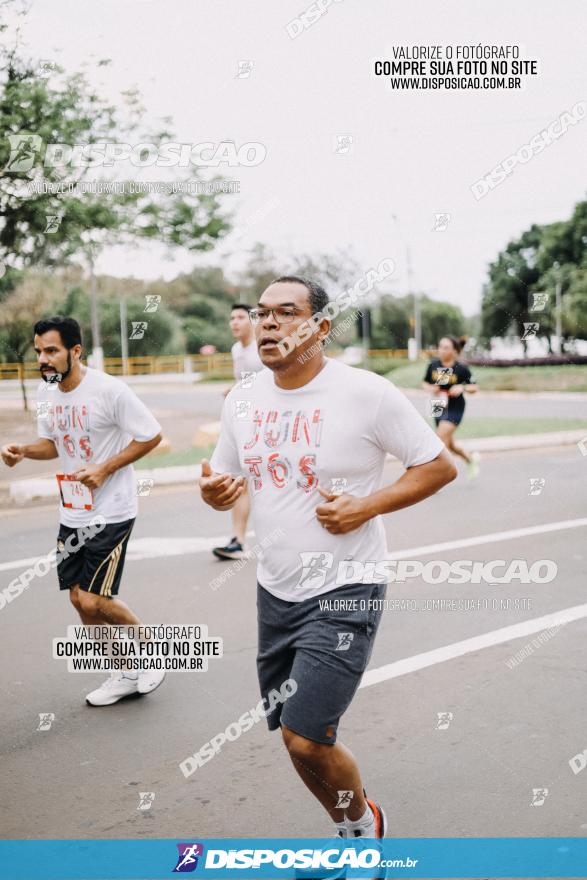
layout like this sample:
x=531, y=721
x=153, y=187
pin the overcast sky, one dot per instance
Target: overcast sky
x=414, y=154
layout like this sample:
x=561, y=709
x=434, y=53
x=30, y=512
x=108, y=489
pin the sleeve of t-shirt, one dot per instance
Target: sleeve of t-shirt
x=428, y=376
x=235, y=369
x=42, y=425
x=467, y=376
x=131, y=414
x=225, y=459
x=402, y=431
x=42, y=431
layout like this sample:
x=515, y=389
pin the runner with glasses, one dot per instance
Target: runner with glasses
x=311, y=437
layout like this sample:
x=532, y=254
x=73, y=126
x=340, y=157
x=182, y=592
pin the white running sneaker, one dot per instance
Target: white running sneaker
x=115, y=688
x=473, y=467
x=149, y=680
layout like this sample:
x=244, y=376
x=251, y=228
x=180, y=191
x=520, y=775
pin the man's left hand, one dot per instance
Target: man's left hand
x=92, y=475
x=341, y=513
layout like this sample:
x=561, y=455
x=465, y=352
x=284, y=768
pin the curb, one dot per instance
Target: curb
x=22, y=491
x=527, y=441
x=206, y=434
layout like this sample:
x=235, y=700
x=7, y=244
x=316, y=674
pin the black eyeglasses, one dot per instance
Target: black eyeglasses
x=283, y=315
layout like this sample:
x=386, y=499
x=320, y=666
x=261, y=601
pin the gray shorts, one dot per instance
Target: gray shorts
x=325, y=651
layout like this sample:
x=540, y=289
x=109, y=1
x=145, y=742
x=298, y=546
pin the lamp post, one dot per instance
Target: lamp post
x=97, y=352
x=558, y=310
x=123, y=336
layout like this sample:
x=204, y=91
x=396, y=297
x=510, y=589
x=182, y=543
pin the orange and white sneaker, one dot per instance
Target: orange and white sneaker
x=380, y=819
x=375, y=830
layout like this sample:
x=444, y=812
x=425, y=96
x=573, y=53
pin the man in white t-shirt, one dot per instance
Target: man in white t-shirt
x=246, y=363
x=97, y=427
x=310, y=437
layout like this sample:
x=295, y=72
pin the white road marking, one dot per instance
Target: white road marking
x=468, y=646
x=491, y=538
x=145, y=548
x=151, y=548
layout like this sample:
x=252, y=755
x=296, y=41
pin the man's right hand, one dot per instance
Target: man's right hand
x=12, y=453
x=220, y=491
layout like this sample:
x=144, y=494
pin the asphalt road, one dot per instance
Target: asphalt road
x=513, y=730
x=205, y=399
x=182, y=409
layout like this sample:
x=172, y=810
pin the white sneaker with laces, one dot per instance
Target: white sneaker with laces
x=473, y=467
x=149, y=680
x=115, y=688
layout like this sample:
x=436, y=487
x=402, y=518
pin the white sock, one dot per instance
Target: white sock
x=363, y=827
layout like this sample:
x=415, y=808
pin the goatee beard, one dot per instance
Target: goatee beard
x=57, y=377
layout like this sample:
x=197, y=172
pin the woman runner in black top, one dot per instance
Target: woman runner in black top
x=449, y=379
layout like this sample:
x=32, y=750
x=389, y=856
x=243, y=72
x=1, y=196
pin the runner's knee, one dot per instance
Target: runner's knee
x=74, y=597
x=447, y=438
x=88, y=602
x=302, y=749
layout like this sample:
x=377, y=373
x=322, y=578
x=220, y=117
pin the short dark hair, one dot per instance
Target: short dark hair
x=243, y=306
x=68, y=329
x=317, y=296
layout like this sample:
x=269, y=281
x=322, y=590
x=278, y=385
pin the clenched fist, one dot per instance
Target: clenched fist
x=12, y=453
x=91, y=475
x=220, y=491
x=341, y=513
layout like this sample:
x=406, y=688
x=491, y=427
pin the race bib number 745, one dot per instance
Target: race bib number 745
x=74, y=494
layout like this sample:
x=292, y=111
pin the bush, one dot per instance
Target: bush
x=552, y=361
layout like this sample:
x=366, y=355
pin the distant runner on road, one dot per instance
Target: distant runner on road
x=450, y=379
x=246, y=363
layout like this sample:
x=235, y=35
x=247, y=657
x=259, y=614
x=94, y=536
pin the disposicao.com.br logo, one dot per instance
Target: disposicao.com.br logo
x=187, y=860
x=281, y=858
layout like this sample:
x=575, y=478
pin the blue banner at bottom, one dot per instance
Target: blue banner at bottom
x=293, y=858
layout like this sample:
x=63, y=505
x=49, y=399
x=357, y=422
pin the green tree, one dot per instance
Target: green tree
x=512, y=276
x=202, y=301
x=161, y=335
x=393, y=322
x=32, y=297
x=562, y=260
x=574, y=313
x=45, y=218
x=64, y=109
x=198, y=332
x=539, y=260
x=439, y=319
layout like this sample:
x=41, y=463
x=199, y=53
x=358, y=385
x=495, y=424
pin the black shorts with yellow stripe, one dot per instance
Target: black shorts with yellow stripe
x=95, y=562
